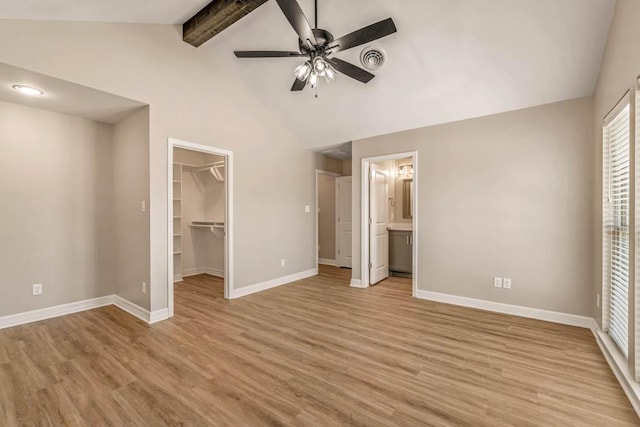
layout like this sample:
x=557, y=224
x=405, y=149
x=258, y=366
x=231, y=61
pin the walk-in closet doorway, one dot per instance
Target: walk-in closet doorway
x=200, y=218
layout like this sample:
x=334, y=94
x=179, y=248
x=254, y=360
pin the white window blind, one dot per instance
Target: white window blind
x=616, y=224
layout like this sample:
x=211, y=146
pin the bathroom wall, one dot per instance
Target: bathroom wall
x=398, y=184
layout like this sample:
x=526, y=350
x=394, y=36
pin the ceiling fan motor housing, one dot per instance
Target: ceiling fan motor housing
x=323, y=38
x=372, y=58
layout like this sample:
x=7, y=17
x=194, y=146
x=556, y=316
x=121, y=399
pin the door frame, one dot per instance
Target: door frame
x=345, y=177
x=228, y=220
x=335, y=175
x=365, y=208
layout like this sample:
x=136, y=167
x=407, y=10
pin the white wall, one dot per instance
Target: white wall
x=55, y=216
x=509, y=195
x=192, y=97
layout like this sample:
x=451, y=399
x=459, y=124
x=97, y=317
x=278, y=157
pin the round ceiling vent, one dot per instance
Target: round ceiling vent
x=372, y=58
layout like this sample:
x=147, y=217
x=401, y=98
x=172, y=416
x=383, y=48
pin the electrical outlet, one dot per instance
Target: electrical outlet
x=143, y=206
x=598, y=300
x=497, y=282
x=282, y=263
x=37, y=289
x=144, y=287
x=506, y=283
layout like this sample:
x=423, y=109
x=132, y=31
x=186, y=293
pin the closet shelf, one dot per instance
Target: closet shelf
x=217, y=228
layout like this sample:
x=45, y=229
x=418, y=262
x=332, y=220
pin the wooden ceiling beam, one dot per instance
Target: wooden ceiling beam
x=215, y=17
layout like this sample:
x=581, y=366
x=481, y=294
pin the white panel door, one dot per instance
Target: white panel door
x=344, y=227
x=378, y=223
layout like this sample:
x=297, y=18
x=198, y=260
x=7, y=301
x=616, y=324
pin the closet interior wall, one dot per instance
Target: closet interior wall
x=198, y=197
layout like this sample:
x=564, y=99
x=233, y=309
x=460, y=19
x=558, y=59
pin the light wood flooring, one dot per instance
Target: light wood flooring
x=314, y=353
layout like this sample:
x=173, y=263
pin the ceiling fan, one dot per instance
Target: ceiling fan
x=318, y=45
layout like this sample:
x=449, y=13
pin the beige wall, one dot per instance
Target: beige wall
x=346, y=167
x=130, y=188
x=328, y=164
x=56, y=222
x=194, y=98
x=508, y=195
x=327, y=216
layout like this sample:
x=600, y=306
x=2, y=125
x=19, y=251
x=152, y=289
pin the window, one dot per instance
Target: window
x=616, y=180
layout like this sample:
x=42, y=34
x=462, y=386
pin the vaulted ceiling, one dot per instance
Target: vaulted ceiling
x=450, y=60
x=140, y=11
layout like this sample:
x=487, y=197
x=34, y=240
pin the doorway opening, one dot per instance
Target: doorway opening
x=389, y=218
x=334, y=224
x=326, y=217
x=200, y=207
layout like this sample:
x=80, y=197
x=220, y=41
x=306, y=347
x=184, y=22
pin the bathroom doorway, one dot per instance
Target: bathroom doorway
x=389, y=218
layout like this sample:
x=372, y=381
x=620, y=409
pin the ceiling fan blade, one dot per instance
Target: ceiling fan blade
x=298, y=85
x=351, y=70
x=364, y=35
x=298, y=20
x=267, y=54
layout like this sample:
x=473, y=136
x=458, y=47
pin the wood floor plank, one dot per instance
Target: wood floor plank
x=315, y=352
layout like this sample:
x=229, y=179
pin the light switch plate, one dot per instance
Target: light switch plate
x=497, y=282
x=307, y=209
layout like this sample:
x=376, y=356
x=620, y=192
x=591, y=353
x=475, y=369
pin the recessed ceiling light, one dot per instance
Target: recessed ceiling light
x=26, y=90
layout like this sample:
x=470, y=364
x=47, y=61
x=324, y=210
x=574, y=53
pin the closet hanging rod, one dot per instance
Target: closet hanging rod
x=209, y=167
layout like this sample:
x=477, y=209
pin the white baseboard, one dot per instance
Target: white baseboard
x=131, y=308
x=56, y=311
x=515, y=310
x=76, y=307
x=192, y=272
x=158, y=315
x=259, y=287
x=217, y=272
x=356, y=283
x=203, y=270
x=324, y=261
x=619, y=367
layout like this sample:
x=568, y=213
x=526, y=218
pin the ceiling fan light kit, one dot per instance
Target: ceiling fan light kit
x=318, y=45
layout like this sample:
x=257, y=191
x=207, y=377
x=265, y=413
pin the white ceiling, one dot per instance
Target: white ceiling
x=63, y=97
x=450, y=60
x=141, y=11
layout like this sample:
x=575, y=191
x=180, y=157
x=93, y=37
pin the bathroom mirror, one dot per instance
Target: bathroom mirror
x=407, y=199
